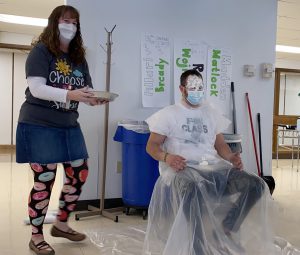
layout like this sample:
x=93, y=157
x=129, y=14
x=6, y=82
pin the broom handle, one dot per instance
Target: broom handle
x=253, y=135
x=233, y=109
x=259, y=143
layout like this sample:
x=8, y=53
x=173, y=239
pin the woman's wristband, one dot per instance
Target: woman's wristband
x=165, y=156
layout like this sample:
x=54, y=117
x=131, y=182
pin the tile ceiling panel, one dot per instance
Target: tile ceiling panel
x=289, y=9
x=288, y=22
x=287, y=56
x=29, y=8
x=288, y=27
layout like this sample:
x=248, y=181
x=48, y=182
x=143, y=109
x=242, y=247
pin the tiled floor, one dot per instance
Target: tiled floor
x=287, y=199
x=16, y=181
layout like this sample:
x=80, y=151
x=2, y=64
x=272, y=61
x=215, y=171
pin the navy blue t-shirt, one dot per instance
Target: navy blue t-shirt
x=60, y=72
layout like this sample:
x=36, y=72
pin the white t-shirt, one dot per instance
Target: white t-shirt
x=190, y=132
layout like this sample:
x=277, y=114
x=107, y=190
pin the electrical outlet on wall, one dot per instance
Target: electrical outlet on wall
x=249, y=70
x=267, y=70
x=119, y=167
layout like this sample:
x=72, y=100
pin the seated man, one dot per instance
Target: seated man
x=190, y=213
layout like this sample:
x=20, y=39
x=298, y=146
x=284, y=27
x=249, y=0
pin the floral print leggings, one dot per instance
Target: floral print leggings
x=44, y=176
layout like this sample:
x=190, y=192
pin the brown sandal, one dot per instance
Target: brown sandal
x=71, y=234
x=41, y=248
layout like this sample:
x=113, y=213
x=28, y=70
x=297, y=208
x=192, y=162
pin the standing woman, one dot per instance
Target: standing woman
x=48, y=132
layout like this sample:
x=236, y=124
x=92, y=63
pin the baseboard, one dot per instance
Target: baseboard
x=7, y=147
x=285, y=155
x=82, y=205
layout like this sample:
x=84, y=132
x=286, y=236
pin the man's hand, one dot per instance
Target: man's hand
x=225, y=152
x=176, y=162
x=154, y=149
x=236, y=160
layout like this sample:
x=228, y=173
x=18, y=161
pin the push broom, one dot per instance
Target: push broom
x=268, y=179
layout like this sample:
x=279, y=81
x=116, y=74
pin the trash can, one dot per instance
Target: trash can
x=139, y=169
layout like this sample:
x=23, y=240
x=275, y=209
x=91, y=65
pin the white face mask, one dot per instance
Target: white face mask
x=66, y=32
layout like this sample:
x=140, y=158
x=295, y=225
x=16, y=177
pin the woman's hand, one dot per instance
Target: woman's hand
x=176, y=162
x=80, y=95
x=236, y=160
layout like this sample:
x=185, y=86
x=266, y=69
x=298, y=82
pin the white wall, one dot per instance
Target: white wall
x=292, y=99
x=289, y=90
x=13, y=85
x=247, y=27
x=286, y=63
x=12, y=62
x=15, y=38
x=5, y=97
x=20, y=86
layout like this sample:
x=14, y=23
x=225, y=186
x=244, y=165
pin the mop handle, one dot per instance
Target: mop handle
x=253, y=135
x=260, y=145
x=233, y=109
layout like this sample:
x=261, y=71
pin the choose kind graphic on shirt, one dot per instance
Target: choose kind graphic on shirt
x=64, y=77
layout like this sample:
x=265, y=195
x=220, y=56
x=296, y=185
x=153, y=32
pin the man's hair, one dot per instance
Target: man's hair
x=50, y=35
x=186, y=74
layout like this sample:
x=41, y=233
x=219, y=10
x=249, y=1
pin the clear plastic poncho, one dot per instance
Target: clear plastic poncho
x=216, y=211
x=209, y=208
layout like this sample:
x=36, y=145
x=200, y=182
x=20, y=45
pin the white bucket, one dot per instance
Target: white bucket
x=234, y=141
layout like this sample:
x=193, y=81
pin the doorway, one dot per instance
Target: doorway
x=286, y=111
x=13, y=85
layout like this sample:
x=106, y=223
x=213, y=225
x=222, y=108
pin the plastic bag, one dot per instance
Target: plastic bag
x=138, y=126
x=118, y=240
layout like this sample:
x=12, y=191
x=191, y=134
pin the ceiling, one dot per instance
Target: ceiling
x=288, y=21
x=288, y=27
x=29, y=8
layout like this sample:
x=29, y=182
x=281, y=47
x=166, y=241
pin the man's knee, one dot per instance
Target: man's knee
x=245, y=182
x=256, y=184
x=185, y=186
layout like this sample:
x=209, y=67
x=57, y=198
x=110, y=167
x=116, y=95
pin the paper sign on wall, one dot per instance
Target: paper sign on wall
x=155, y=53
x=187, y=55
x=219, y=74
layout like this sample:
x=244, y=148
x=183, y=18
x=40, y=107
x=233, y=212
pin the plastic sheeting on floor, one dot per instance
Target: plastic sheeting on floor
x=218, y=212
x=129, y=241
x=118, y=240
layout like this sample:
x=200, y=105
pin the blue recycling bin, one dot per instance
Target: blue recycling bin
x=139, y=169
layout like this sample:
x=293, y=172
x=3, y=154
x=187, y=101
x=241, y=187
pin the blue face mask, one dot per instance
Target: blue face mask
x=195, y=97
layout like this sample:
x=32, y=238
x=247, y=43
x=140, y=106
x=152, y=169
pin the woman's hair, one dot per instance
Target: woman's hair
x=187, y=73
x=50, y=35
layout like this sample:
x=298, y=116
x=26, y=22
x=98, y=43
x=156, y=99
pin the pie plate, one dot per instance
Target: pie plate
x=104, y=95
